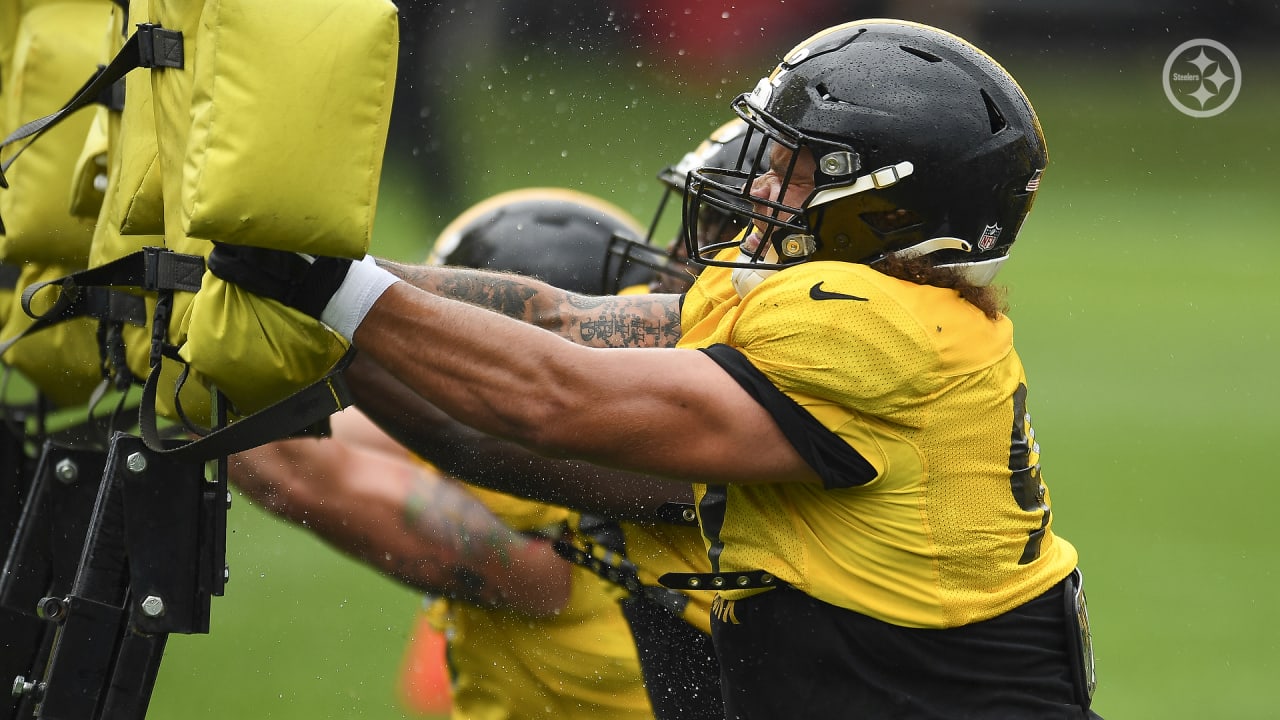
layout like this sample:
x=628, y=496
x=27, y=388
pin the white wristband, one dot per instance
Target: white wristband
x=364, y=284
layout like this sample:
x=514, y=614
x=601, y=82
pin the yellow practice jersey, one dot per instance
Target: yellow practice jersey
x=521, y=514
x=657, y=549
x=911, y=405
x=580, y=663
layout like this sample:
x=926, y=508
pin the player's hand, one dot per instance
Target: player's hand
x=336, y=291
x=300, y=281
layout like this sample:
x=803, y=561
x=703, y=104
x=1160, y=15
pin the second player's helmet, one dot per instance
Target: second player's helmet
x=557, y=235
x=726, y=147
x=924, y=145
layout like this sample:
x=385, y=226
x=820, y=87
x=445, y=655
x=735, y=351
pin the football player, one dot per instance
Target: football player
x=671, y=629
x=540, y=233
x=840, y=383
x=529, y=634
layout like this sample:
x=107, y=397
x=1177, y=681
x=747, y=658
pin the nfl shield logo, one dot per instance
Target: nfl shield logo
x=990, y=234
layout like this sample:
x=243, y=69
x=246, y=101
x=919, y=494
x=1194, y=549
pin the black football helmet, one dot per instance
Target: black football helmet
x=924, y=145
x=724, y=148
x=557, y=235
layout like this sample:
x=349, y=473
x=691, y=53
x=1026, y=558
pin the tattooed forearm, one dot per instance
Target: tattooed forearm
x=471, y=547
x=624, y=321
x=448, y=515
x=511, y=295
x=598, y=321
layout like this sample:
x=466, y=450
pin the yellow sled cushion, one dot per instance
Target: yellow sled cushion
x=289, y=111
x=58, y=47
x=62, y=361
x=254, y=350
x=288, y=105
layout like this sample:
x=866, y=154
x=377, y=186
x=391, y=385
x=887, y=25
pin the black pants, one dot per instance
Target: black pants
x=792, y=656
x=678, y=662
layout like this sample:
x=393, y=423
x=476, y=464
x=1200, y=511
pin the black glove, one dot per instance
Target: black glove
x=338, y=292
x=303, y=282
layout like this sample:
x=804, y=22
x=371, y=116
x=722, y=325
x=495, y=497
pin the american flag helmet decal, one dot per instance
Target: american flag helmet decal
x=1034, y=183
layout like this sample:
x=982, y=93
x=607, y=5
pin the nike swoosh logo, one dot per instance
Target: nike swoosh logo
x=817, y=293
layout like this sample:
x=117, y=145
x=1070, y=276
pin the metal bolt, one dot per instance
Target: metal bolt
x=152, y=606
x=51, y=608
x=226, y=573
x=136, y=462
x=690, y=515
x=228, y=499
x=66, y=470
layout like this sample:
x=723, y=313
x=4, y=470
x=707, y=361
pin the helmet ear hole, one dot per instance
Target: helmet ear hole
x=994, y=115
x=923, y=55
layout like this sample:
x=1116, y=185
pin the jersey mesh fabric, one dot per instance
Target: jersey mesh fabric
x=923, y=386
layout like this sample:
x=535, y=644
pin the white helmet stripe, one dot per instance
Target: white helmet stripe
x=932, y=245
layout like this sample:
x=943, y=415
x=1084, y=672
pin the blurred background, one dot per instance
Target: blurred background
x=1142, y=291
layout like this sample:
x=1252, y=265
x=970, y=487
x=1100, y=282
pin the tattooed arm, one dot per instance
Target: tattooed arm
x=608, y=321
x=664, y=411
x=408, y=522
x=490, y=462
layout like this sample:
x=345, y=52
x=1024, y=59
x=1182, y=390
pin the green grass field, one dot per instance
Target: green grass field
x=1147, y=313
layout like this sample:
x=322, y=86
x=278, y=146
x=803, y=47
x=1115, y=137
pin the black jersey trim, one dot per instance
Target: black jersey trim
x=836, y=462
